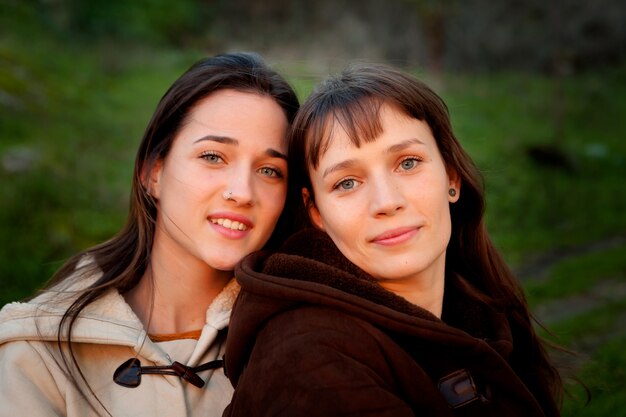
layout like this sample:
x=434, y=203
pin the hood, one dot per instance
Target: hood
x=108, y=320
x=39, y=318
x=309, y=269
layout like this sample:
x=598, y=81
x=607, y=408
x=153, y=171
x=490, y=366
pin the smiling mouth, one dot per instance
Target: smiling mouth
x=395, y=236
x=230, y=224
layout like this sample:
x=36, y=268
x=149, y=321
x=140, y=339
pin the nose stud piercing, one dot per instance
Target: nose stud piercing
x=228, y=195
x=452, y=192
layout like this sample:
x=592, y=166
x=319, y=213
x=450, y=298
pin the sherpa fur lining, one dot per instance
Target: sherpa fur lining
x=311, y=256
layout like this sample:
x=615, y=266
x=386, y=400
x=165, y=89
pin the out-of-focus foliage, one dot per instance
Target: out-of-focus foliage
x=538, y=35
x=151, y=21
x=450, y=34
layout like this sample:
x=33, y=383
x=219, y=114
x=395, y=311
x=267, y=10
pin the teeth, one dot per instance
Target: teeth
x=229, y=224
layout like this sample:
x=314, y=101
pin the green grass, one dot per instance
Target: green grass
x=583, y=330
x=605, y=377
x=597, y=338
x=76, y=116
x=578, y=275
x=533, y=208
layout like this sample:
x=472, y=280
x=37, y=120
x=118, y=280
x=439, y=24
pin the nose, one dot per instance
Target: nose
x=240, y=189
x=386, y=198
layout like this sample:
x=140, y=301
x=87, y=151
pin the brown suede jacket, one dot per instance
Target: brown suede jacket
x=313, y=335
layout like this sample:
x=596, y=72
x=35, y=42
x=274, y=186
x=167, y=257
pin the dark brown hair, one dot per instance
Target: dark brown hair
x=352, y=100
x=123, y=259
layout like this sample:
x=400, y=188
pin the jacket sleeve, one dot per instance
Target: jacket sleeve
x=317, y=362
x=27, y=388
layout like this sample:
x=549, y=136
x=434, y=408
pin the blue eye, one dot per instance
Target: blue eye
x=212, y=157
x=346, y=184
x=409, y=163
x=271, y=172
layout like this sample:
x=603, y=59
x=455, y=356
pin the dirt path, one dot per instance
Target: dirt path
x=539, y=267
x=605, y=291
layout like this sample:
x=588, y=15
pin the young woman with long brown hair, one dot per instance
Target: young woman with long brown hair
x=137, y=325
x=396, y=303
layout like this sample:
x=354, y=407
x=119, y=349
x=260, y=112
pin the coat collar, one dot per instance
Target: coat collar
x=312, y=257
x=108, y=320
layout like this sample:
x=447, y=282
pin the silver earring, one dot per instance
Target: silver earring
x=227, y=195
x=452, y=192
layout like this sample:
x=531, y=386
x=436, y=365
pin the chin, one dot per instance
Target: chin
x=222, y=264
x=391, y=274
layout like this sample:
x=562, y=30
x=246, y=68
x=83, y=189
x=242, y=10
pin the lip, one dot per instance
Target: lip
x=396, y=236
x=230, y=233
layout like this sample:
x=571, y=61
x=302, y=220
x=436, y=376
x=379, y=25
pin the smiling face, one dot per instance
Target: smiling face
x=222, y=186
x=386, y=203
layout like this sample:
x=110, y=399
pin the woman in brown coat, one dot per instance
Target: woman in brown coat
x=396, y=303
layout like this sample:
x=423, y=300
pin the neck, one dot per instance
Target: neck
x=425, y=290
x=174, y=293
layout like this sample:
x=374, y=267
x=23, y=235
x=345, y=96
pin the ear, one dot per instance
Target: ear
x=151, y=180
x=454, y=182
x=314, y=214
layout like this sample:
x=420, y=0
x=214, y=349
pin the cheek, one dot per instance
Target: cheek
x=444, y=220
x=181, y=179
x=190, y=191
x=431, y=191
x=274, y=198
x=439, y=208
x=341, y=223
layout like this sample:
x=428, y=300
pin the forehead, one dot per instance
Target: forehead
x=239, y=115
x=358, y=119
x=221, y=103
x=345, y=129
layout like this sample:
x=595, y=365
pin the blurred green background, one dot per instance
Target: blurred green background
x=536, y=89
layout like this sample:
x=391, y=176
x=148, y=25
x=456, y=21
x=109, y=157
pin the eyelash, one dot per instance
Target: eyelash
x=337, y=186
x=210, y=154
x=410, y=158
x=278, y=173
x=416, y=159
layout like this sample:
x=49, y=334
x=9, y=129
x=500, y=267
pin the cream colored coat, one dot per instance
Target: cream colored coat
x=33, y=382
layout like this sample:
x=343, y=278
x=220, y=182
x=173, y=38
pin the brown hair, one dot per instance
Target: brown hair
x=352, y=100
x=124, y=258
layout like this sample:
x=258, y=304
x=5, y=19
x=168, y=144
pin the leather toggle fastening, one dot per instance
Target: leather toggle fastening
x=188, y=374
x=458, y=388
x=129, y=373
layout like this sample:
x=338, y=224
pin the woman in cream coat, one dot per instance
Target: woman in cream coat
x=136, y=326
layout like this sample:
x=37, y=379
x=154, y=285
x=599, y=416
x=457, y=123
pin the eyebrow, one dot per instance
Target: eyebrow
x=221, y=139
x=404, y=144
x=338, y=167
x=232, y=141
x=276, y=154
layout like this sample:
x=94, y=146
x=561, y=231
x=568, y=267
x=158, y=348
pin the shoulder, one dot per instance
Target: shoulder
x=30, y=370
x=319, y=323
x=318, y=361
x=60, y=295
x=32, y=320
x=26, y=355
x=39, y=318
x=311, y=339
